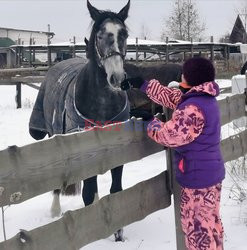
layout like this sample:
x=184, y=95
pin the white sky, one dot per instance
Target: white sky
x=70, y=18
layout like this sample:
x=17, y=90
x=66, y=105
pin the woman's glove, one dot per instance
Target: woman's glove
x=141, y=113
x=135, y=82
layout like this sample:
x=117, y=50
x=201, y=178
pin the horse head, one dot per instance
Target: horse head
x=108, y=42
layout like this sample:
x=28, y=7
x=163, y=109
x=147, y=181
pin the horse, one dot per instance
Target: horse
x=244, y=69
x=76, y=92
x=164, y=72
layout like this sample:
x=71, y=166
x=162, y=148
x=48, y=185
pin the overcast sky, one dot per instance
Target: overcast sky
x=70, y=18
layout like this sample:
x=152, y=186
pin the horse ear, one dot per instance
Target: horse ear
x=94, y=13
x=123, y=13
x=86, y=41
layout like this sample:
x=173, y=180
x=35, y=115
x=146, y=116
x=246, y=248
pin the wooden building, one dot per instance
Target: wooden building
x=10, y=37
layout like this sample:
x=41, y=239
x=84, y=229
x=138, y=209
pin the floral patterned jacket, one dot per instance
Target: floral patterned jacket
x=185, y=125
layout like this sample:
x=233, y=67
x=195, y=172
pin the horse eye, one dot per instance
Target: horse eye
x=100, y=37
x=123, y=34
x=110, y=35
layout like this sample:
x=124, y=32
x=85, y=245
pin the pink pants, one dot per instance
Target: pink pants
x=200, y=218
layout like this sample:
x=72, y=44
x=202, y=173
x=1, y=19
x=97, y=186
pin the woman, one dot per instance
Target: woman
x=194, y=133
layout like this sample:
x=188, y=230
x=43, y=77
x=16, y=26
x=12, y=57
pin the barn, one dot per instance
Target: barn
x=11, y=36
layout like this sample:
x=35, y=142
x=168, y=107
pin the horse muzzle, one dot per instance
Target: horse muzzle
x=115, y=71
x=116, y=79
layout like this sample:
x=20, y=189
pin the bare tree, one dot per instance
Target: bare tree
x=145, y=32
x=225, y=38
x=184, y=22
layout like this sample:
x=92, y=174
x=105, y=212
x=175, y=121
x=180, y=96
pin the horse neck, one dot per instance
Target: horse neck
x=94, y=99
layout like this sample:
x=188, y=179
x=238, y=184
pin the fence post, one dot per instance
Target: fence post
x=145, y=54
x=73, y=48
x=246, y=79
x=18, y=95
x=167, y=50
x=48, y=46
x=137, y=54
x=176, y=191
x=192, y=48
x=30, y=51
x=19, y=53
x=212, y=48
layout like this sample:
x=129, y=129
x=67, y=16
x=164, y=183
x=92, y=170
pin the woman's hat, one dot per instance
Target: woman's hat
x=198, y=70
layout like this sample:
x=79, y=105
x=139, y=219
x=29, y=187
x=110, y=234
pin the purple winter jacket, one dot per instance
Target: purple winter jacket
x=202, y=160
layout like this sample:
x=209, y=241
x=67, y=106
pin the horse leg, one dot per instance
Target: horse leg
x=116, y=186
x=116, y=174
x=55, y=207
x=90, y=190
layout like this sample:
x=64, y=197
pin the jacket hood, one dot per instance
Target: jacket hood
x=211, y=88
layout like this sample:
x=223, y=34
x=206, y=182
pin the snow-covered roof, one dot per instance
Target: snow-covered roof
x=31, y=31
x=132, y=41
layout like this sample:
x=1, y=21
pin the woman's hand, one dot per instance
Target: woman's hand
x=135, y=82
x=141, y=113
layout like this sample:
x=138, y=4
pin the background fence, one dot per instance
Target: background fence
x=65, y=159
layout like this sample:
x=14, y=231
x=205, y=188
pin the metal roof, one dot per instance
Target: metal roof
x=31, y=31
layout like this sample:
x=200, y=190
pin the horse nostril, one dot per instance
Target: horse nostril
x=112, y=79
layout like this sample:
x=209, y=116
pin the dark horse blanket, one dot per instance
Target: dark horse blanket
x=54, y=111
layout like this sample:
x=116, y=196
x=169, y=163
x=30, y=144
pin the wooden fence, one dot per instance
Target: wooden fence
x=62, y=160
x=22, y=76
x=31, y=75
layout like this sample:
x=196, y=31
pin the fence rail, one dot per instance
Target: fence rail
x=43, y=166
x=99, y=220
x=62, y=160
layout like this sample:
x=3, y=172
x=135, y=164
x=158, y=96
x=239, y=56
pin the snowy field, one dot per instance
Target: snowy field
x=156, y=232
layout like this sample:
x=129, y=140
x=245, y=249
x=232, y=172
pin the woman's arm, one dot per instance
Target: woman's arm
x=168, y=97
x=184, y=127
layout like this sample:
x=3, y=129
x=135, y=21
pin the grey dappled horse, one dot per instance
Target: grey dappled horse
x=76, y=92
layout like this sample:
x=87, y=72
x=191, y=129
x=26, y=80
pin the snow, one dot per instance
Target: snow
x=157, y=231
x=130, y=41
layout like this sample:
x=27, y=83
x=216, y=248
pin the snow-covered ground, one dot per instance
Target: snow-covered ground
x=156, y=232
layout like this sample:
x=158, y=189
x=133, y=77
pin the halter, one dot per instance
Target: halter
x=101, y=58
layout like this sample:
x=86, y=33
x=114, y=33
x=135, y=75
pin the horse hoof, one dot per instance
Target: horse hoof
x=55, y=212
x=119, y=235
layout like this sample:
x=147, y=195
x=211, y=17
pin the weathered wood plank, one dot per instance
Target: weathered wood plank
x=32, y=86
x=21, y=71
x=234, y=147
x=232, y=108
x=28, y=79
x=62, y=160
x=100, y=220
x=226, y=90
x=19, y=79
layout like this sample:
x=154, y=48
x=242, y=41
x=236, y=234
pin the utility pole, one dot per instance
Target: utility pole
x=48, y=45
x=48, y=34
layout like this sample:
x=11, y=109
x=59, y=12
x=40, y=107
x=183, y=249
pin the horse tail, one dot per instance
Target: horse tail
x=244, y=69
x=73, y=189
